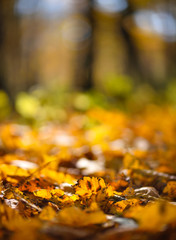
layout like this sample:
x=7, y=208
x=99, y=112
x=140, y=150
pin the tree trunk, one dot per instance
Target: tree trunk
x=9, y=49
x=83, y=71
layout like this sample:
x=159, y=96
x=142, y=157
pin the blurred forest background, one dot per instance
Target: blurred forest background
x=85, y=53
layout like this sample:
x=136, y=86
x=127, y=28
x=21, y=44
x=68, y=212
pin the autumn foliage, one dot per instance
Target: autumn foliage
x=102, y=175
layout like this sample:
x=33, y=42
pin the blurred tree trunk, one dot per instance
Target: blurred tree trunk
x=83, y=71
x=10, y=80
x=133, y=65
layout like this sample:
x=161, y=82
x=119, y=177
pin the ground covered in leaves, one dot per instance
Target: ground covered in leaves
x=102, y=175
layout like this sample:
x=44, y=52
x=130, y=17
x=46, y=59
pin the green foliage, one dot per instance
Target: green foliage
x=27, y=105
x=171, y=91
x=82, y=102
x=54, y=103
x=5, y=107
x=119, y=86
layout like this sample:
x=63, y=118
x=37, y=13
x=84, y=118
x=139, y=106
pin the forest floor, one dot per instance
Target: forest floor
x=100, y=175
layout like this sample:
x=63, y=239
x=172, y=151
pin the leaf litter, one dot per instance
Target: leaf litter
x=113, y=179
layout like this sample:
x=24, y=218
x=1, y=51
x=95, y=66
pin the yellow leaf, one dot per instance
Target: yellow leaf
x=11, y=170
x=28, y=230
x=93, y=207
x=76, y=217
x=131, y=161
x=170, y=189
x=10, y=218
x=88, y=186
x=57, y=192
x=43, y=193
x=110, y=191
x=120, y=206
x=47, y=213
x=58, y=177
x=154, y=216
